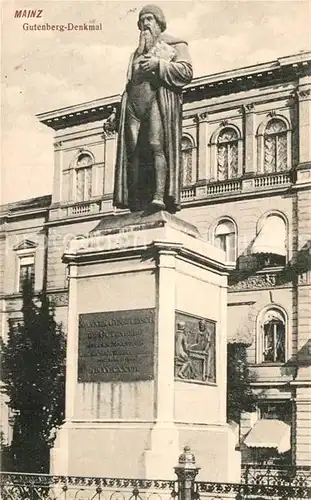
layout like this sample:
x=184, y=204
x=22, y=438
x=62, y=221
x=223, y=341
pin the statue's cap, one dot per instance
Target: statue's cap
x=157, y=12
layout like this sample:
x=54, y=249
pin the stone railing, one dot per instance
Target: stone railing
x=188, y=194
x=235, y=186
x=83, y=208
x=231, y=187
x=216, y=188
x=224, y=187
x=272, y=180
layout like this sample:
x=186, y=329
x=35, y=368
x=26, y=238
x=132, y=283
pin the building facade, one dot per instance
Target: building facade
x=246, y=156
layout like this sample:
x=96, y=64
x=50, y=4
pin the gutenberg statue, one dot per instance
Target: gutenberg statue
x=149, y=124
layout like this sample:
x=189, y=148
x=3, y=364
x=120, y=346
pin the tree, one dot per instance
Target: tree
x=33, y=371
x=239, y=393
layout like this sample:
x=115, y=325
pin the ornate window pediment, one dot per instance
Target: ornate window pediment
x=26, y=245
x=84, y=160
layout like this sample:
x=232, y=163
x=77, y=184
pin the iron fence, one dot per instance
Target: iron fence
x=48, y=487
x=281, y=475
x=240, y=491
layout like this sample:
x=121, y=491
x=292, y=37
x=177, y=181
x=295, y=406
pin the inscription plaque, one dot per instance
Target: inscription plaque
x=116, y=346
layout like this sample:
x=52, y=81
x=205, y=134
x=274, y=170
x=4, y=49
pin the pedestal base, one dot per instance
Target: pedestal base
x=129, y=450
x=146, y=353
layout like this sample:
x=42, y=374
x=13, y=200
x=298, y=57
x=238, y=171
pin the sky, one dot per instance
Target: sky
x=42, y=71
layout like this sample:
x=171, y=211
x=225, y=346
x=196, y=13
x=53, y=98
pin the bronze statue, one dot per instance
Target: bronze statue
x=147, y=170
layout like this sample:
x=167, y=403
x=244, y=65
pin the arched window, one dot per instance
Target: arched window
x=187, y=161
x=275, y=146
x=227, y=154
x=270, y=244
x=84, y=177
x=273, y=327
x=225, y=238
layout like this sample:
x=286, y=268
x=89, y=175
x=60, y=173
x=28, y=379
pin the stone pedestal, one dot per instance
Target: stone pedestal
x=134, y=398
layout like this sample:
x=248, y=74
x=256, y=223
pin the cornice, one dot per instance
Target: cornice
x=25, y=215
x=241, y=101
x=282, y=70
x=26, y=208
x=98, y=109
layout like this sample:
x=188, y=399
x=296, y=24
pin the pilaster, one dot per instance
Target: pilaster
x=303, y=434
x=250, y=138
x=98, y=179
x=164, y=389
x=72, y=344
x=110, y=157
x=304, y=103
x=57, y=172
x=203, y=164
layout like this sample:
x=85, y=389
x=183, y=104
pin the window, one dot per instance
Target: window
x=270, y=244
x=15, y=323
x=275, y=146
x=84, y=177
x=225, y=238
x=276, y=410
x=187, y=161
x=26, y=270
x=273, y=337
x=281, y=411
x=227, y=154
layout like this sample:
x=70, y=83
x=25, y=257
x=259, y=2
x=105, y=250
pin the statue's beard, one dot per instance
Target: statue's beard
x=147, y=40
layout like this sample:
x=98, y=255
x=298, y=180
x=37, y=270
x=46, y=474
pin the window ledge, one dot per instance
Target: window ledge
x=270, y=270
x=269, y=364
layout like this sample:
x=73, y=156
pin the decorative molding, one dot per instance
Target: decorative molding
x=264, y=281
x=108, y=134
x=201, y=117
x=303, y=93
x=224, y=123
x=58, y=144
x=249, y=107
x=59, y=299
x=305, y=278
x=272, y=114
x=26, y=245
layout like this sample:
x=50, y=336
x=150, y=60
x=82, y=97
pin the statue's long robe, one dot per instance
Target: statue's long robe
x=173, y=76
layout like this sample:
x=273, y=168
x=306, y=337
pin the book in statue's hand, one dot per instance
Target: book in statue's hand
x=163, y=51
